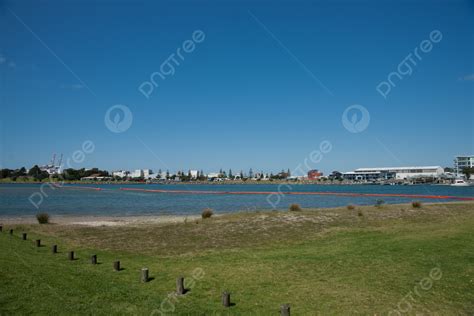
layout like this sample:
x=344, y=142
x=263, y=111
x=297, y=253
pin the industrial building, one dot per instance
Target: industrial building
x=397, y=173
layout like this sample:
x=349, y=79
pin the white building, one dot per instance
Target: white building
x=461, y=162
x=194, y=174
x=136, y=174
x=399, y=173
x=147, y=173
x=120, y=173
x=213, y=175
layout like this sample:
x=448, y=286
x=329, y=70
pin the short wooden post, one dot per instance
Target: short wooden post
x=1, y=228
x=54, y=248
x=38, y=242
x=71, y=255
x=24, y=236
x=285, y=310
x=180, y=285
x=117, y=265
x=94, y=259
x=226, y=299
x=144, y=275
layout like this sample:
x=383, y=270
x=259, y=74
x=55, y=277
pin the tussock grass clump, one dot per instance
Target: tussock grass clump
x=360, y=214
x=207, y=213
x=43, y=218
x=350, y=207
x=416, y=204
x=295, y=208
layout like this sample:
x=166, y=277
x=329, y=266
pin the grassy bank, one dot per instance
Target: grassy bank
x=338, y=261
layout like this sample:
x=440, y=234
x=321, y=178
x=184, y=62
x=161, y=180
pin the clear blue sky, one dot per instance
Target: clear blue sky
x=247, y=96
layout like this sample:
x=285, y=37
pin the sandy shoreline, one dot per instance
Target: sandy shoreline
x=95, y=221
x=138, y=220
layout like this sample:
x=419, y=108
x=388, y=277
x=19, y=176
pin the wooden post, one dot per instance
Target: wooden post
x=144, y=275
x=94, y=259
x=117, y=265
x=226, y=299
x=180, y=285
x=54, y=248
x=38, y=242
x=1, y=228
x=11, y=231
x=24, y=236
x=71, y=255
x=285, y=310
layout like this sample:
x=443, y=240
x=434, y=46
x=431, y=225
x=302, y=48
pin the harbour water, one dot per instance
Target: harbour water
x=110, y=200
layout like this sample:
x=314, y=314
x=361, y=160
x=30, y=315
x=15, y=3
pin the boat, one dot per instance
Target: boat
x=461, y=183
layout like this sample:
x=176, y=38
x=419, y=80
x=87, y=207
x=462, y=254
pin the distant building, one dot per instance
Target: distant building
x=399, y=173
x=461, y=162
x=147, y=173
x=136, y=174
x=120, y=173
x=314, y=174
x=194, y=174
x=213, y=175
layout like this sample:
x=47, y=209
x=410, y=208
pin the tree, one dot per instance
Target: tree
x=34, y=171
x=250, y=173
x=5, y=173
x=230, y=174
x=468, y=171
x=288, y=172
x=241, y=174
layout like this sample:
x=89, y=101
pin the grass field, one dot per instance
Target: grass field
x=388, y=260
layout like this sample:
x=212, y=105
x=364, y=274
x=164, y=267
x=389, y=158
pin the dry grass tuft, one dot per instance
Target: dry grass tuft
x=416, y=204
x=207, y=213
x=295, y=208
x=43, y=218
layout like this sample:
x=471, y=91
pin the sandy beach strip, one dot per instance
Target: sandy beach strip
x=96, y=221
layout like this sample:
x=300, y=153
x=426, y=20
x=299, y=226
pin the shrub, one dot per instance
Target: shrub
x=295, y=208
x=350, y=207
x=43, y=218
x=416, y=204
x=207, y=213
x=360, y=214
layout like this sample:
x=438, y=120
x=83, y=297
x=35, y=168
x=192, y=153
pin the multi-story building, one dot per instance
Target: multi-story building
x=461, y=162
x=136, y=174
x=194, y=174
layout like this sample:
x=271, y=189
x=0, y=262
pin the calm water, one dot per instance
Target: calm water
x=14, y=198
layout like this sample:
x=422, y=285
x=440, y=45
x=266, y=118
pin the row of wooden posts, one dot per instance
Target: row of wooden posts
x=180, y=290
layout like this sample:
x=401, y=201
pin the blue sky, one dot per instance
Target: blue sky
x=249, y=95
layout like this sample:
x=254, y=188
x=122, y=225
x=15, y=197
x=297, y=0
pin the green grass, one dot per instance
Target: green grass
x=345, y=265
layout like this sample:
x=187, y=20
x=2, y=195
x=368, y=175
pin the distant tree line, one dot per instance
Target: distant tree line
x=38, y=175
